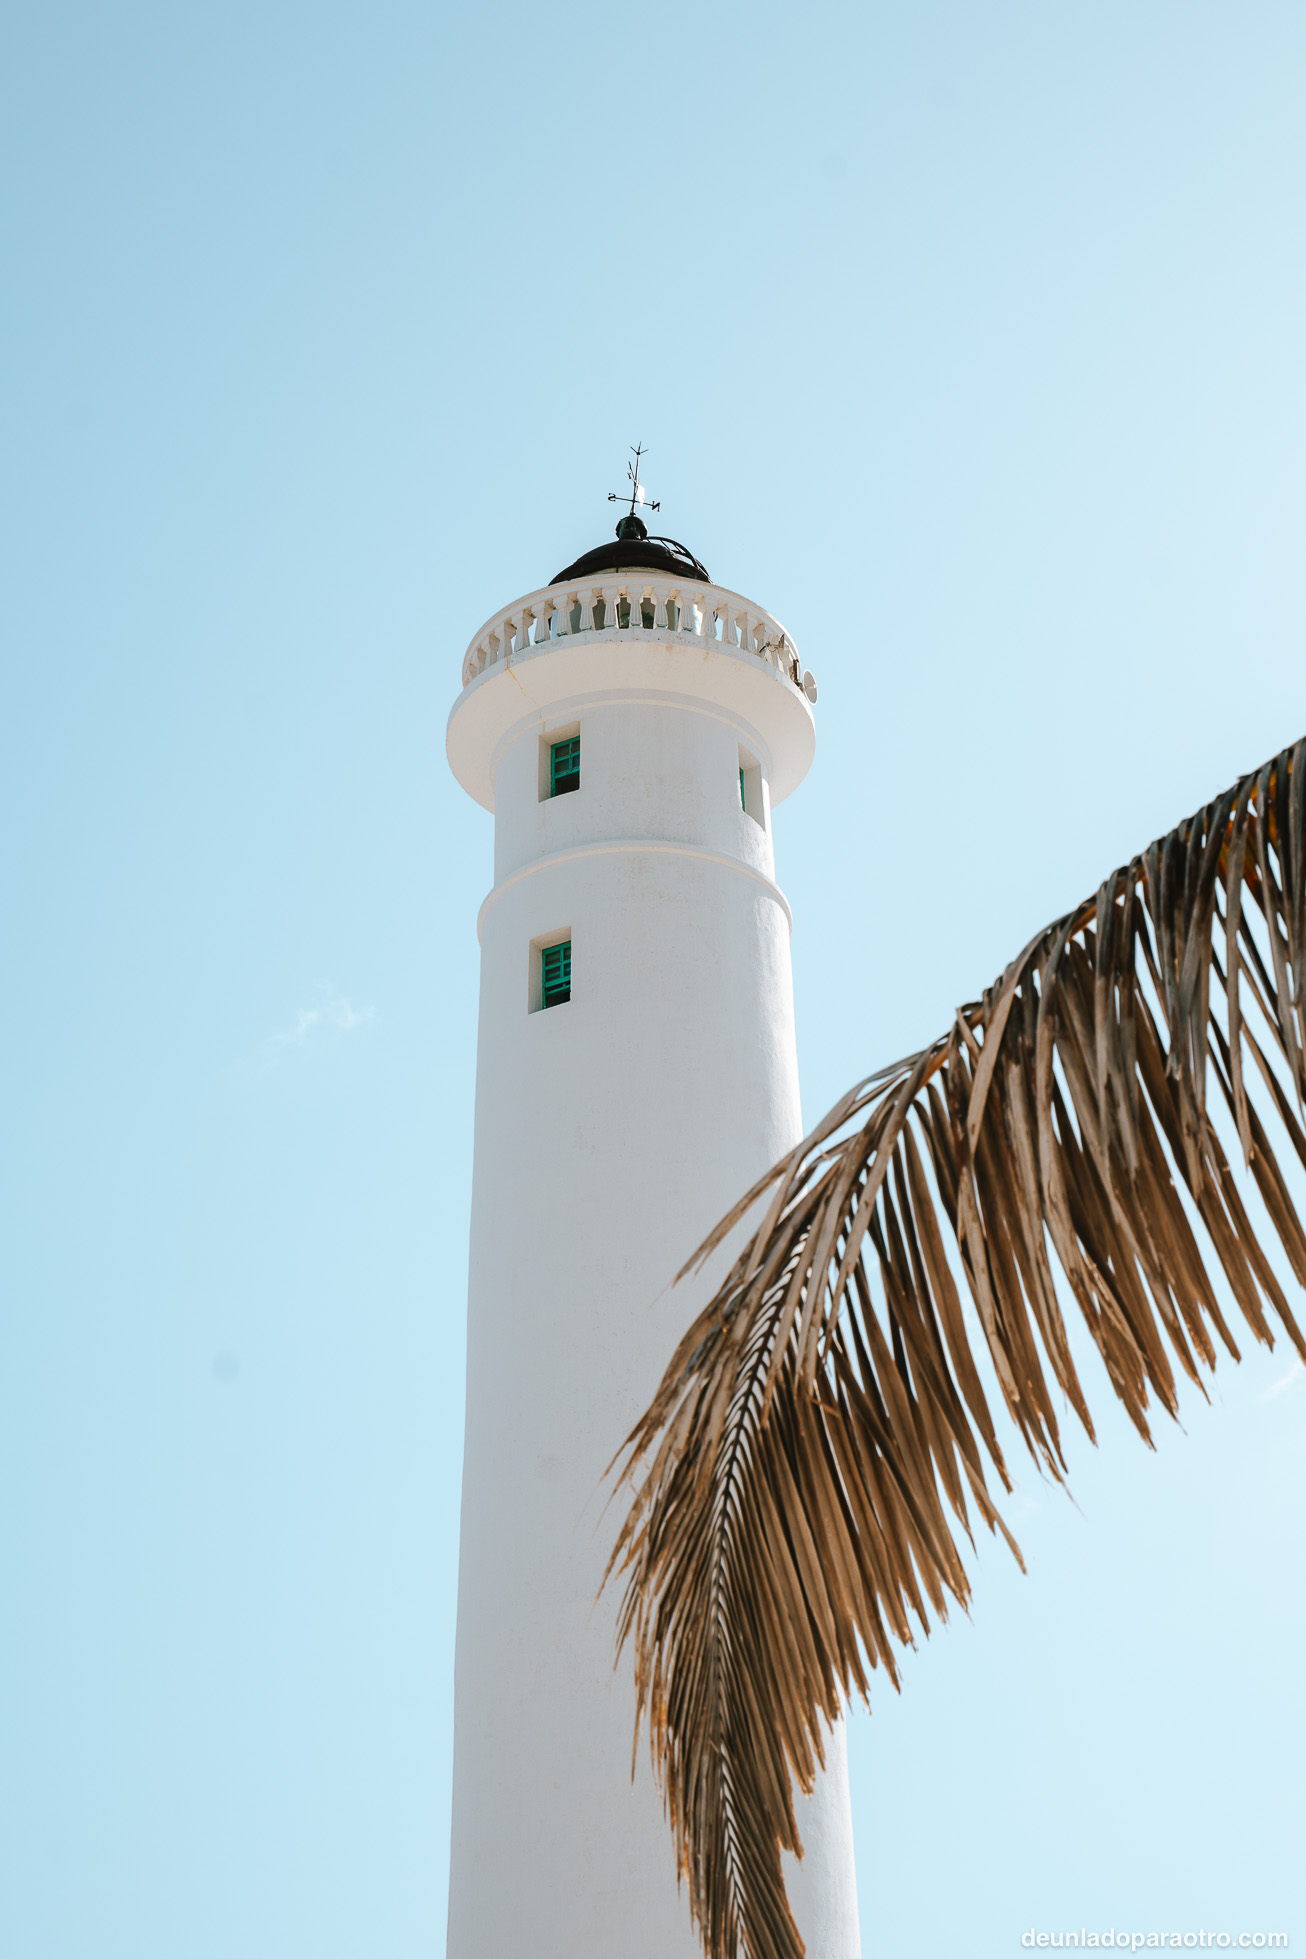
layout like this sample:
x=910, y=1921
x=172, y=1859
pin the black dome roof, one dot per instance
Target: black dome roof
x=634, y=550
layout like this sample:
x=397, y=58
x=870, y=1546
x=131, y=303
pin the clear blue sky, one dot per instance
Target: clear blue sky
x=967, y=340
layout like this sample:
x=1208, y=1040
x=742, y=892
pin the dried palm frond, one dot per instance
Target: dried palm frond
x=824, y=1415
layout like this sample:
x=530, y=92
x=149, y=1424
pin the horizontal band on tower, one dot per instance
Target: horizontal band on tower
x=632, y=846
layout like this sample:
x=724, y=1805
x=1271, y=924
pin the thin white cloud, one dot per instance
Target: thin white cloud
x=1295, y=1373
x=335, y=1014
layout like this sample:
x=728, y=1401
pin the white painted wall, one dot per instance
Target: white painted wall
x=611, y=1133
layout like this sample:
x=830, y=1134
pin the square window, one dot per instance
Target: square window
x=555, y=974
x=564, y=766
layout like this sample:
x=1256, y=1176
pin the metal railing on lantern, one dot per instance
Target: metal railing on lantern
x=621, y=604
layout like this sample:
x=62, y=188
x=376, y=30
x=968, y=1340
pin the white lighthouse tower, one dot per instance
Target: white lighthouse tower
x=632, y=726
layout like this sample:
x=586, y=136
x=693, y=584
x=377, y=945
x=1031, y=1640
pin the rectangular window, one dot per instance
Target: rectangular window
x=559, y=760
x=564, y=766
x=555, y=974
x=752, y=797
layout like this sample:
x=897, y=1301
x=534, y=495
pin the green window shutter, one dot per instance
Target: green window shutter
x=555, y=962
x=564, y=766
x=742, y=803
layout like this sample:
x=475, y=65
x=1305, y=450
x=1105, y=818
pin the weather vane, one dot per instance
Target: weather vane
x=636, y=487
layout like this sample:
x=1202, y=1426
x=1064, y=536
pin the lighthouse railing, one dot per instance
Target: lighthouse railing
x=623, y=605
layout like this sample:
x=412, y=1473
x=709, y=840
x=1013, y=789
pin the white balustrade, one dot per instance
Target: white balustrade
x=665, y=607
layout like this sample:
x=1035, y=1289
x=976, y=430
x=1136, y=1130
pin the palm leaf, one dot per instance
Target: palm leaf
x=822, y=1433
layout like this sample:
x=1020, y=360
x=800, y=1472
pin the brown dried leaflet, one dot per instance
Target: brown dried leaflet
x=822, y=1432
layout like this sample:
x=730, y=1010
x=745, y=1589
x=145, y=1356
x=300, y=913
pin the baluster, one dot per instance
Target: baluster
x=728, y=623
x=585, y=599
x=661, y=593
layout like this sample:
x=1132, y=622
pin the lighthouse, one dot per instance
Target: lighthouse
x=633, y=726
